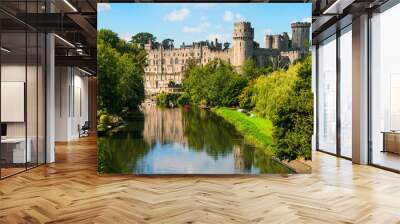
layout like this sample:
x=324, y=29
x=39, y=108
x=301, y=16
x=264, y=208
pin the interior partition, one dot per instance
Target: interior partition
x=22, y=77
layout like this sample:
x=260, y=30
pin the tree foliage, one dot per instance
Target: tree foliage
x=142, y=38
x=168, y=43
x=286, y=99
x=294, y=125
x=120, y=74
x=216, y=83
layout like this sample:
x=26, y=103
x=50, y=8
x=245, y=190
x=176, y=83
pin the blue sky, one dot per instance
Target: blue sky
x=188, y=22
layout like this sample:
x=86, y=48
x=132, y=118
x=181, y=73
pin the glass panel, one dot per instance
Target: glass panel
x=13, y=88
x=327, y=95
x=31, y=98
x=41, y=98
x=385, y=89
x=346, y=92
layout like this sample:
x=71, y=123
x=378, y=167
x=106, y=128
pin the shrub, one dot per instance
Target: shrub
x=183, y=99
x=245, y=97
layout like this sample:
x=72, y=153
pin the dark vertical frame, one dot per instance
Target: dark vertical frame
x=37, y=89
x=338, y=74
x=26, y=86
x=317, y=97
x=369, y=79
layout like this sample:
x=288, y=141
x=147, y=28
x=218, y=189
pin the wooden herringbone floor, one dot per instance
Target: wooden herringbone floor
x=70, y=191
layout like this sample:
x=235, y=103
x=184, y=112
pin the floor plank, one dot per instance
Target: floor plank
x=70, y=191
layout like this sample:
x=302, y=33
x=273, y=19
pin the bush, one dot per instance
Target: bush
x=167, y=99
x=183, y=99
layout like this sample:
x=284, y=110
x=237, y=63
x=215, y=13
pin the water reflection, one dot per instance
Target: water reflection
x=181, y=141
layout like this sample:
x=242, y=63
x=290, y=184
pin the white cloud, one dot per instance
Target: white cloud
x=203, y=18
x=267, y=31
x=177, y=15
x=230, y=16
x=196, y=29
x=239, y=17
x=126, y=36
x=103, y=7
x=222, y=37
x=308, y=20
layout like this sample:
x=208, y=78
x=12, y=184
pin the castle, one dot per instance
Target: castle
x=166, y=66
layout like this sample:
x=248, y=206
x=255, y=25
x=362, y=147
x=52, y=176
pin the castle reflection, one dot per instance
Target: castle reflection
x=179, y=141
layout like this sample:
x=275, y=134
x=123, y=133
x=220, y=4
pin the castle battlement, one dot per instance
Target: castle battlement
x=301, y=24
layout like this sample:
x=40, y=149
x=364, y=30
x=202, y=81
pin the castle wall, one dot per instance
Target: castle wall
x=166, y=65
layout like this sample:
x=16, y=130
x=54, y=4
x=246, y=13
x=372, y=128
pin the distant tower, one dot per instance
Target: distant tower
x=243, y=37
x=148, y=45
x=268, y=41
x=276, y=42
x=300, y=35
x=285, y=41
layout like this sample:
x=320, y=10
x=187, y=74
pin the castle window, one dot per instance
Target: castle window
x=176, y=61
x=171, y=61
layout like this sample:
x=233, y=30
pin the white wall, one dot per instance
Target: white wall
x=71, y=102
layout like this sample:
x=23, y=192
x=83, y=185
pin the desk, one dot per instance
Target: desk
x=15, y=148
x=391, y=141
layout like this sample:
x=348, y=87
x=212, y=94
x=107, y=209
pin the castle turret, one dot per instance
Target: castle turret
x=300, y=35
x=148, y=45
x=285, y=41
x=268, y=41
x=243, y=37
x=276, y=44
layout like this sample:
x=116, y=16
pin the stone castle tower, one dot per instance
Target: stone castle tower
x=300, y=35
x=278, y=42
x=243, y=37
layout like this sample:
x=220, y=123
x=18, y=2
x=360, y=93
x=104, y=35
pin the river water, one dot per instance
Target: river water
x=182, y=141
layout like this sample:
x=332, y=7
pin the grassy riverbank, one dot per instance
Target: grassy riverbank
x=255, y=129
x=259, y=132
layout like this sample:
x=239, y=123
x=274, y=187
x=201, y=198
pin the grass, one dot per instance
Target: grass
x=254, y=129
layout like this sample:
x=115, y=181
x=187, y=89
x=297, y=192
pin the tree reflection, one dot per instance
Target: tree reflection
x=158, y=131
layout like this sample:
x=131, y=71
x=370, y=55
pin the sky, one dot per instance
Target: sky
x=190, y=22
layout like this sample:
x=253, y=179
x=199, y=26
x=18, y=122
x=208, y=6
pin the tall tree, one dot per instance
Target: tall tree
x=226, y=45
x=108, y=36
x=143, y=38
x=256, y=44
x=168, y=43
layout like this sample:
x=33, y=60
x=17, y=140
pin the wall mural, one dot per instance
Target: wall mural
x=204, y=88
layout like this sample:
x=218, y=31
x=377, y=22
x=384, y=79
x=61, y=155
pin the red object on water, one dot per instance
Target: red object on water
x=186, y=107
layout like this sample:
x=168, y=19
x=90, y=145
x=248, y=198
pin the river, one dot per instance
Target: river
x=182, y=141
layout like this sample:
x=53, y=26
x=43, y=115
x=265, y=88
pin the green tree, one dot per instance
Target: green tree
x=256, y=44
x=294, y=125
x=109, y=37
x=168, y=43
x=249, y=69
x=217, y=83
x=120, y=74
x=143, y=38
x=245, y=97
x=108, y=79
